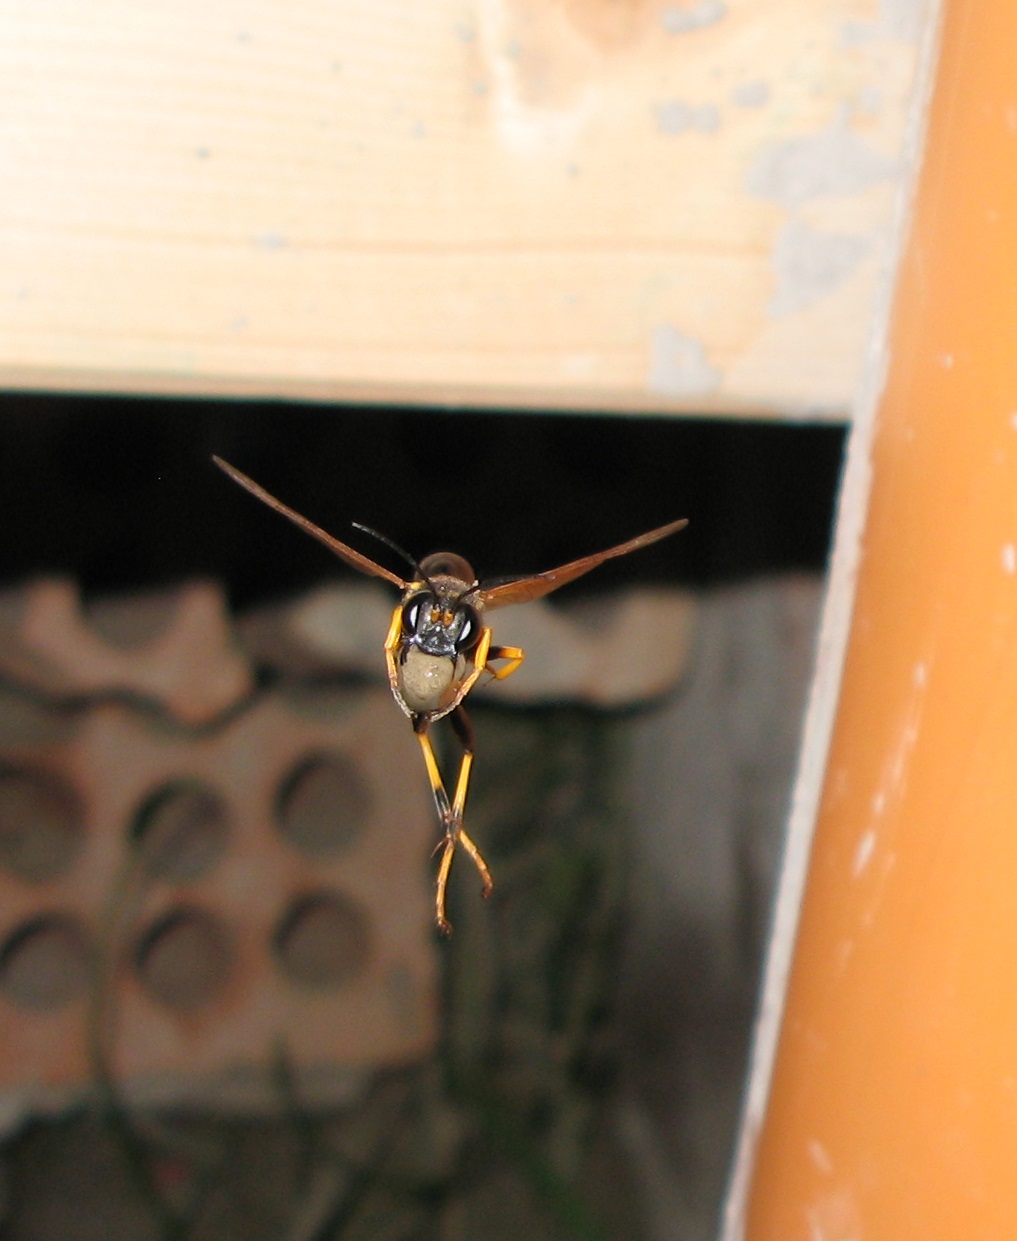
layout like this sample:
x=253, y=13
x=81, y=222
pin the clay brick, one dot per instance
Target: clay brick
x=173, y=648
x=209, y=897
x=191, y=899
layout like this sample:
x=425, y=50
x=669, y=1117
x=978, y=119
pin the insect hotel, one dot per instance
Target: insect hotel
x=524, y=281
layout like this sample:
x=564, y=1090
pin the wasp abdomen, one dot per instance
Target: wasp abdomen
x=426, y=682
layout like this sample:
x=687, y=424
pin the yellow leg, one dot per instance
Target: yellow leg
x=395, y=632
x=439, y=900
x=479, y=663
x=448, y=822
x=462, y=784
x=445, y=865
x=395, y=629
x=515, y=656
x=434, y=777
x=478, y=862
x=464, y=731
x=451, y=814
x=451, y=817
x=458, y=806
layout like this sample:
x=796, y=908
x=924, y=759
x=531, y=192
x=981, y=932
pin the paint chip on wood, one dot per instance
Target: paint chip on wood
x=678, y=364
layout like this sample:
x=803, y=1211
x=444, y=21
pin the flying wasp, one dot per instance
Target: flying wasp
x=438, y=646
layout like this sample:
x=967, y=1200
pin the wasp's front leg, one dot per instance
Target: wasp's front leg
x=392, y=640
x=515, y=656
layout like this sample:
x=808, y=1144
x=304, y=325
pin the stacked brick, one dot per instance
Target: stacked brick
x=196, y=873
x=215, y=837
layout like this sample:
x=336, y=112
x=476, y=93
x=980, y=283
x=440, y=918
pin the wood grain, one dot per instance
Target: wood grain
x=617, y=204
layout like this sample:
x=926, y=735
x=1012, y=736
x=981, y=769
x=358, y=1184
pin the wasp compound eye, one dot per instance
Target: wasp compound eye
x=469, y=628
x=414, y=607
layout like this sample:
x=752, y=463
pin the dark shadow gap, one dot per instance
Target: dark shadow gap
x=120, y=492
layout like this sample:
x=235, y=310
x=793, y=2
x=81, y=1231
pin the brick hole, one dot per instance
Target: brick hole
x=322, y=941
x=323, y=804
x=181, y=831
x=47, y=962
x=185, y=959
x=41, y=824
x=129, y=624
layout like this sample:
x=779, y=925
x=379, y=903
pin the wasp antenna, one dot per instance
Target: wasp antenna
x=390, y=543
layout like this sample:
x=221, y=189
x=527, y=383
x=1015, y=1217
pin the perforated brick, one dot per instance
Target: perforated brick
x=201, y=901
x=174, y=648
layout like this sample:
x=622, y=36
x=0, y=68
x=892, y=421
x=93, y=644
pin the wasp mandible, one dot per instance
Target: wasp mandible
x=438, y=646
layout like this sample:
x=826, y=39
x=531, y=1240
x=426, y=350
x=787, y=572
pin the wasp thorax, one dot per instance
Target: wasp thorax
x=447, y=564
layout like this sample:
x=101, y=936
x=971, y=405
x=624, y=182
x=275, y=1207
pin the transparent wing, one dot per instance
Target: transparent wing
x=526, y=588
x=354, y=558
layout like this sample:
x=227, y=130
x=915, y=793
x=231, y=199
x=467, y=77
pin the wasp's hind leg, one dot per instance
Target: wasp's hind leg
x=441, y=801
x=451, y=814
x=446, y=817
x=464, y=731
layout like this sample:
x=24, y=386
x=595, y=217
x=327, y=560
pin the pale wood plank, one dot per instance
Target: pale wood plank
x=619, y=204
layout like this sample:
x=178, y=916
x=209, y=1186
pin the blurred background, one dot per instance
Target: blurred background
x=600, y=1003
x=514, y=280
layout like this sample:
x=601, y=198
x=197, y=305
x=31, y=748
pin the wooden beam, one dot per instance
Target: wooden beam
x=617, y=204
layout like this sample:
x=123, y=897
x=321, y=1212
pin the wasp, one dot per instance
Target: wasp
x=439, y=645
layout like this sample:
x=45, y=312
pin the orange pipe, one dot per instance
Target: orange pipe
x=893, y=1105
